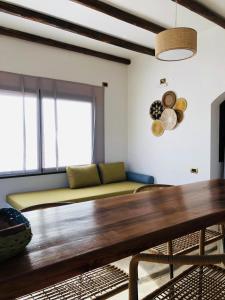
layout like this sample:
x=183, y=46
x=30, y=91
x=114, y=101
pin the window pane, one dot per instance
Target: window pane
x=31, y=130
x=74, y=132
x=11, y=118
x=18, y=151
x=49, y=133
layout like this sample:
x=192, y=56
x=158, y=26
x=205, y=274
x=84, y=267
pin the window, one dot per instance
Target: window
x=44, y=132
x=67, y=132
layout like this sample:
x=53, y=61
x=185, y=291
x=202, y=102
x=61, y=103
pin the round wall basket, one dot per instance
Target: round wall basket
x=157, y=128
x=181, y=104
x=156, y=110
x=169, y=99
x=180, y=115
x=169, y=119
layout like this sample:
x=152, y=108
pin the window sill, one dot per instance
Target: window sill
x=30, y=175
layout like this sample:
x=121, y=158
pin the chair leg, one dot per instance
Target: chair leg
x=133, y=279
x=202, y=242
x=223, y=233
x=171, y=271
x=170, y=252
x=201, y=252
x=222, y=226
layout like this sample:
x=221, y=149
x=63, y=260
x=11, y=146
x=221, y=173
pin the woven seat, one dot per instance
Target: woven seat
x=100, y=283
x=205, y=283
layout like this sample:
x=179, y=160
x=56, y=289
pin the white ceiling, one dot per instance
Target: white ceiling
x=159, y=11
x=217, y=6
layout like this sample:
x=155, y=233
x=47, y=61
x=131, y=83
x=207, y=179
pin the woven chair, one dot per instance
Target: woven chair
x=184, y=244
x=100, y=283
x=202, y=281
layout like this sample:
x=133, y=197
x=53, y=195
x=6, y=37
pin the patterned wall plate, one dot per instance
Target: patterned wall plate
x=157, y=128
x=181, y=104
x=156, y=110
x=180, y=115
x=169, y=99
x=169, y=118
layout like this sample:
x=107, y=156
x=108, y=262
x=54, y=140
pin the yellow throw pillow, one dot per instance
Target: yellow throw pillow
x=82, y=176
x=112, y=172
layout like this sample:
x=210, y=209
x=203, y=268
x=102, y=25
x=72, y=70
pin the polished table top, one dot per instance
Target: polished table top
x=72, y=239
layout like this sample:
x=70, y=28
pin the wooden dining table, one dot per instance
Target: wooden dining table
x=71, y=239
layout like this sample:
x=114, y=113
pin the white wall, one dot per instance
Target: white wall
x=32, y=59
x=169, y=158
x=200, y=80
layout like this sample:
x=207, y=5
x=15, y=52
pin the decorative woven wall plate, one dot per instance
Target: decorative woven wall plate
x=181, y=104
x=169, y=119
x=157, y=128
x=180, y=115
x=168, y=113
x=156, y=110
x=169, y=99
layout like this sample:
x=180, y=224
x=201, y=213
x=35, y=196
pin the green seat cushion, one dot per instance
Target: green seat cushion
x=112, y=172
x=24, y=200
x=83, y=176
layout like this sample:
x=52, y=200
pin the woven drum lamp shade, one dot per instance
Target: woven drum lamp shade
x=176, y=44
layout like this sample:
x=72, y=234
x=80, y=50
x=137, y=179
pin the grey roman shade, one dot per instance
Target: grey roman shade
x=41, y=88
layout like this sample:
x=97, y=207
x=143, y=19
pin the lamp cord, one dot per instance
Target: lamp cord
x=175, y=25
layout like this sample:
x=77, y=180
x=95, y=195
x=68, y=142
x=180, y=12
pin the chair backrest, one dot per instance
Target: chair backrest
x=200, y=260
x=151, y=187
x=45, y=205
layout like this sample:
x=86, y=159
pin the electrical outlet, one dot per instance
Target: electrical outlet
x=194, y=170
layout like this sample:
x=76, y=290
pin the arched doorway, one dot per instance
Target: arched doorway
x=216, y=167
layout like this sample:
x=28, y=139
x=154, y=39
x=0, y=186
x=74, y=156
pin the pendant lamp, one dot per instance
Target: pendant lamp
x=176, y=44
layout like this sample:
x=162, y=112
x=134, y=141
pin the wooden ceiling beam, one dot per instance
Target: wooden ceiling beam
x=121, y=15
x=203, y=11
x=65, y=46
x=72, y=27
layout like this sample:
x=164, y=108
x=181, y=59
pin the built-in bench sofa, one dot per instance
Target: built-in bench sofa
x=128, y=184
